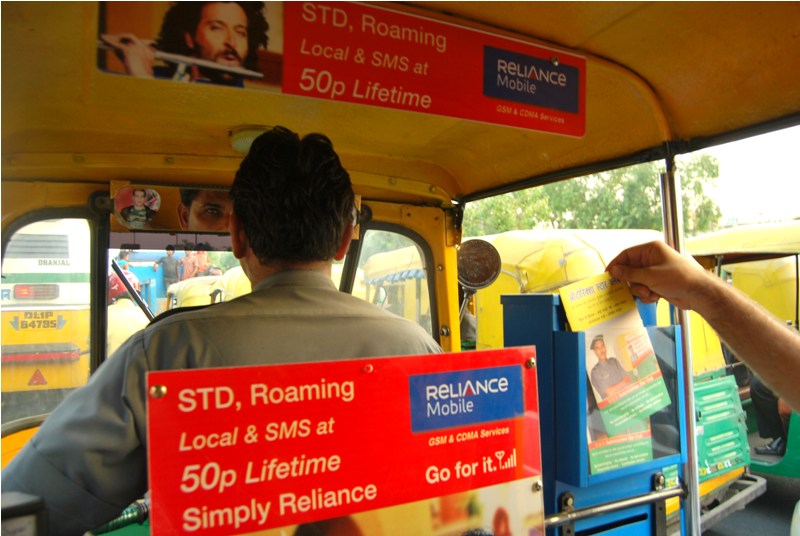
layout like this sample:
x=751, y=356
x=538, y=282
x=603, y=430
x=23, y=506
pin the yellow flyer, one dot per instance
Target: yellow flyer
x=595, y=300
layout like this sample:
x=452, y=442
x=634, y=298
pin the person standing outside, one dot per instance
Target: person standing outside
x=88, y=461
x=122, y=260
x=188, y=263
x=169, y=267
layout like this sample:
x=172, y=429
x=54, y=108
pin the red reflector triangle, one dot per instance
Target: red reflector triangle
x=37, y=378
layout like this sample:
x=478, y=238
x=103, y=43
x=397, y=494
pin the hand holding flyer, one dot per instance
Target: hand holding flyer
x=626, y=381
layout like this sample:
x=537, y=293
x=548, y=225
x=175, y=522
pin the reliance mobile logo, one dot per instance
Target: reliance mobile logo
x=449, y=399
x=525, y=79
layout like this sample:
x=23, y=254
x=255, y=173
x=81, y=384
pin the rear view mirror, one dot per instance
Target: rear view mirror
x=478, y=264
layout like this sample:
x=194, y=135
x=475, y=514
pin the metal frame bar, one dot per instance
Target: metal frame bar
x=673, y=234
x=571, y=516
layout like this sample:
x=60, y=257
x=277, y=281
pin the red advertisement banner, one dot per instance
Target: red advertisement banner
x=369, y=55
x=238, y=450
x=355, y=53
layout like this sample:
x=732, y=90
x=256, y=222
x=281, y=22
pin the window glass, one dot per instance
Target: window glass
x=553, y=235
x=394, y=276
x=45, y=315
x=757, y=181
x=169, y=270
x=561, y=233
x=756, y=214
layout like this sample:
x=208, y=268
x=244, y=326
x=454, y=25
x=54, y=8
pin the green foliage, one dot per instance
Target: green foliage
x=625, y=198
x=224, y=260
x=700, y=213
x=516, y=210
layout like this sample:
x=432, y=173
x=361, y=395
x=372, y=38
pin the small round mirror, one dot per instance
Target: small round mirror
x=478, y=264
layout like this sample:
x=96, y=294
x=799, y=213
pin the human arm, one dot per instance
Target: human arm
x=654, y=270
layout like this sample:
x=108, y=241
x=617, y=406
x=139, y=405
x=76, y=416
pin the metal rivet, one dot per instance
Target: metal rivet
x=78, y=158
x=432, y=189
x=392, y=180
x=530, y=362
x=445, y=331
x=158, y=391
x=439, y=268
x=367, y=369
x=169, y=159
x=537, y=486
x=554, y=60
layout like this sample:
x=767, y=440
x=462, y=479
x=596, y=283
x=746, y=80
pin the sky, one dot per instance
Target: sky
x=759, y=178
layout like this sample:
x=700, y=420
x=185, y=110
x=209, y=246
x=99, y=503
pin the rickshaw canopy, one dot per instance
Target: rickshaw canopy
x=660, y=77
x=746, y=243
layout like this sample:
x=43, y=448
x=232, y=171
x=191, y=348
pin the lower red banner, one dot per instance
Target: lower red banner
x=423, y=443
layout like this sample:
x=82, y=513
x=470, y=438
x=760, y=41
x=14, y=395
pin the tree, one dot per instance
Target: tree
x=700, y=213
x=522, y=209
x=624, y=198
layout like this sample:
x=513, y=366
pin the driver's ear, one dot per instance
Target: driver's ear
x=189, y=40
x=344, y=244
x=239, y=242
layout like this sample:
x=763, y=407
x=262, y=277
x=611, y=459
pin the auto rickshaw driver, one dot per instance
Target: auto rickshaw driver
x=88, y=460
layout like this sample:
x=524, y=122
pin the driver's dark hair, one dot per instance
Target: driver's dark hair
x=293, y=197
x=183, y=17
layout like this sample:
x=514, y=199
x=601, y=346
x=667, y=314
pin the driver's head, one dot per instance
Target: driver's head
x=293, y=198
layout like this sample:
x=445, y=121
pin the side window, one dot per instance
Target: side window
x=393, y=276
x=45, y=316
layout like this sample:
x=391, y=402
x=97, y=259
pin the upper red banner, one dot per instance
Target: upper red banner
x=369, y=55
x=349, y=52
x=237, y=450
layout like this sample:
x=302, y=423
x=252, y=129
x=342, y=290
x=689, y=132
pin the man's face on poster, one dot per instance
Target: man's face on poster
x=221, y=34
x=600, y=350
x=210, y=210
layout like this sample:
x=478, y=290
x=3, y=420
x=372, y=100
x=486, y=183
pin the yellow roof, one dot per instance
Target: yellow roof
x=655, y=72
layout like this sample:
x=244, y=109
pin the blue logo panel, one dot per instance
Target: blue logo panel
x=450, y=399
x=525, y=79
